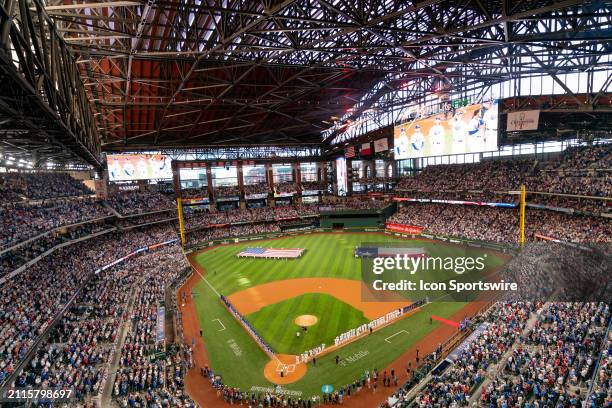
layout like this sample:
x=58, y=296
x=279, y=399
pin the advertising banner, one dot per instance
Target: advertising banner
x=381, y=145
x=523, y=120
x=160, y=324
x=407, y=229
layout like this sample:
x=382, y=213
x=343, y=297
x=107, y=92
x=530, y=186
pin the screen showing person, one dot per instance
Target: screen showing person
x=142, y=168
x=138, y=167
x=417, y=142
x=157, y=166
x=436, y=137
x=401, y=147
x=128, y=170
x=114, y=169
x=465, y=129
x=459, y=129
x=489, y=117
x=476, y=132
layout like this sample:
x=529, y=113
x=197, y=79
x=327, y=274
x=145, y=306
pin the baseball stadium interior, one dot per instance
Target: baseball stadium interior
x=191, y=193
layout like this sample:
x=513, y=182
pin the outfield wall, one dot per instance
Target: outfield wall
x=356, y=218
x=329, y=221
x=443, y=238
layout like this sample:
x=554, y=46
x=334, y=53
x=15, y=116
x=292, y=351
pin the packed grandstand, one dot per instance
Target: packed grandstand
x=68, y=331
x=187, y=190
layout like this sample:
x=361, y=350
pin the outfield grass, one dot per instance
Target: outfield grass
x=327, y=255
x=234, y=355
x=275, y=323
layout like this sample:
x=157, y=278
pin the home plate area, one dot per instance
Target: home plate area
x=282, y=369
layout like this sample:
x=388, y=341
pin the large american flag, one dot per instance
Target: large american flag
x=259, y=252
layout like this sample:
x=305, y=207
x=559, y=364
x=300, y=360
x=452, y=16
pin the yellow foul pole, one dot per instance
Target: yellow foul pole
x=179, y=208
x=522, y=216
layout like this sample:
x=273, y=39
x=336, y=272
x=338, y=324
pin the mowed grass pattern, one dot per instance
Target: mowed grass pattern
x=276, y=322
x=235, y=356
x=327, y=255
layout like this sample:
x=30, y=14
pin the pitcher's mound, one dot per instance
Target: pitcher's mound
x=306, y=320
x=285, y=363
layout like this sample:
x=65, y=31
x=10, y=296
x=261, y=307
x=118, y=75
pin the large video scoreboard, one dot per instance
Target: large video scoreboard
x=468, y=129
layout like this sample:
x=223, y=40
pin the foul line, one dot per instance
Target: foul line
x=221, y=323
x=211, y=286
x=218, y=294
x=207, y=282
x=393, y=335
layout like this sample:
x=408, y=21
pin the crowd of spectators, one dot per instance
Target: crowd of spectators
x=466, y=221
x=374, y=180
x=227, y=191
x=21, y=221
x=207, y=235
x=11, y=190
x=553, y=360
x=76, y=352
x=342, y=204
x=261, y=188
x=195, y=192
x=250, y=189
x=602, y=385
x=525, y=354
x=580, y=170
x=212, y=218
x=200, y=219
x=150, y=374
x=585, y=157
x=594, y=206
x=140, y=219
x=314, y=186
x=132, y=202
x=493, y=175
x=568, y=227
x=30, y=300
x=590, y=184
x=501, y=224
x=19, y=255
x=286, y=187
x=40, y=186
x=453, y=387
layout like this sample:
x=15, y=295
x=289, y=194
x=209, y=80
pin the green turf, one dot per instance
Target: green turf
x=275, y=323
x=327, y=255
x=234, y=355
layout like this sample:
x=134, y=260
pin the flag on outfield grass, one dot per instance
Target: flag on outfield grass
x=259, y=252
x=349, y=152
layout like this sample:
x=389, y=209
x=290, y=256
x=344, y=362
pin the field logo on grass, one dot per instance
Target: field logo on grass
x=353, y=358
x=327, y=389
